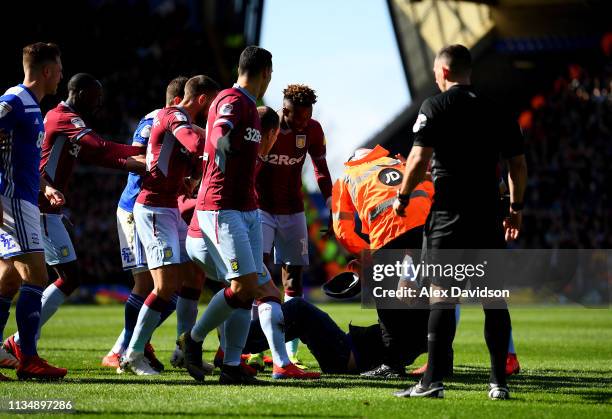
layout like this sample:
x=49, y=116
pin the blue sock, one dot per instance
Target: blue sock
x=5, y=305
x=147, y=322
x=169, y=310
x=27, y=314
x=236, y=332
x=511, y=349
x=457, y=314
x=291, y=346
x=132, y=308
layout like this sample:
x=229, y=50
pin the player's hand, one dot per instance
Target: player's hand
x=136, y=164
x=55, y=197
x=399, y=208
x=512, y=225
x=400, y=158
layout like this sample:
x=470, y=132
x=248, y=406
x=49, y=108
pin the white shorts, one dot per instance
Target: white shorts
x=162, y=232
x=20, y=231
x=289, y=236
x=233, y=241
x=132, y=252
x=56, y=240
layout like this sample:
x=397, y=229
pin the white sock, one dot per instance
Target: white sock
x=236, y=333
x=120, y=345
x=254, y=311
x=217, y=312
x=292, y=345
x=52, y=298
x=273, y=323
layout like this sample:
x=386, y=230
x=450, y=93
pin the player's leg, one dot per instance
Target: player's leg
x=291, y=250
x=236, y=238
x=22, y=248
x=59, y=254
x=132, y=259
x=10, y=282
x=33, y=271
x=512, y=363
x=497, y=329
x=143, y=285
x=158, y=229
x=268, y=231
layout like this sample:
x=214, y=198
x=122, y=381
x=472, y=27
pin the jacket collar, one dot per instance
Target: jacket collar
x=376, y=153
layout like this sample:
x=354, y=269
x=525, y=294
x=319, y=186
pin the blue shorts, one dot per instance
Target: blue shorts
x=56, y=240
x=233, y=241
x=20, y=230
x=162, y=232
x=289, y=236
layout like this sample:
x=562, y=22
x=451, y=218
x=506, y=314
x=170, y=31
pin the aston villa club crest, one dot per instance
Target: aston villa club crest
x=300, y=141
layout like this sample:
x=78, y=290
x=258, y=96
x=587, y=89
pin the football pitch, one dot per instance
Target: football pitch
x=565, y=355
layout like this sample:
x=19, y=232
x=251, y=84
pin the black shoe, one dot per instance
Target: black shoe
x=192, y=351
x=434, y=390
x=231, y=374
x=384, y=371
x=149, y=354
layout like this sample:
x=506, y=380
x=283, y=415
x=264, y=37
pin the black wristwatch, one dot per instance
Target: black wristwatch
x=517, y=206
x=403, y=198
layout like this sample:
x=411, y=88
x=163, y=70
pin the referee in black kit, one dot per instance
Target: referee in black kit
x=464, y=135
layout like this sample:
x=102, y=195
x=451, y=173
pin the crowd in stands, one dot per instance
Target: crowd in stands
x=568, y=130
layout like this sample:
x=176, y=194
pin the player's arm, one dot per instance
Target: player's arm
x=11, y=112
x=99, y=152
x=227, y=117
x=185, y=133
x=317, y=151
x=418, y=160
x=513, y=150
x=343, y=215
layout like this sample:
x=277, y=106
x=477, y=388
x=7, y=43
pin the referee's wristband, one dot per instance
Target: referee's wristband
x=517, y=206
x=403, y=198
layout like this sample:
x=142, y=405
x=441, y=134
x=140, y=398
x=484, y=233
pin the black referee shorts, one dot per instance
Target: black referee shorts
x=460, y=235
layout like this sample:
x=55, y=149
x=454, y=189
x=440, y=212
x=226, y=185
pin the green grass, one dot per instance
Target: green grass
x=565, y=353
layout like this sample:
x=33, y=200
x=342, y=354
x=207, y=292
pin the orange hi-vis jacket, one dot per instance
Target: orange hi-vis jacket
x=369, y=187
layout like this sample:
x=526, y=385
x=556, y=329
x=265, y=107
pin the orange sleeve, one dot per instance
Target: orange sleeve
x=343, y=214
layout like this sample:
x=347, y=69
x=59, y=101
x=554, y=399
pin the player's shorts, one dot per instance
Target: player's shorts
x=162, y=232
x=233, y=241
x=196, y=249
x=289, y=236
x=133, y=255
x=56, y=240
x=20, y=231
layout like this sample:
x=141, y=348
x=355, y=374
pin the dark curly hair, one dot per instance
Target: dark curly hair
x=300, y=95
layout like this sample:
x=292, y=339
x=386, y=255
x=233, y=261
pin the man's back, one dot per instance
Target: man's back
x=228, y=180
x=468, y=136
x=369, y=187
